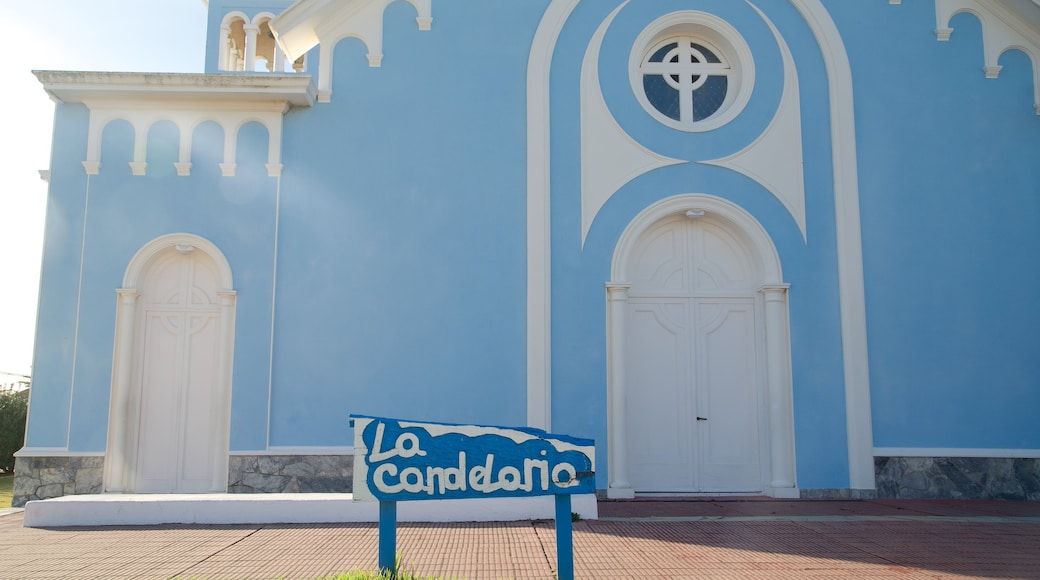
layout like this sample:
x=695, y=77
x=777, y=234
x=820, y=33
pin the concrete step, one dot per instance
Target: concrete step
x=279, y=508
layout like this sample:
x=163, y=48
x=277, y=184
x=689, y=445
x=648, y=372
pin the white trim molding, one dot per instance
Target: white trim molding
x=55, y=452
x=956, y=452
x=298, y=450
x=851, y=291
x=539, y=251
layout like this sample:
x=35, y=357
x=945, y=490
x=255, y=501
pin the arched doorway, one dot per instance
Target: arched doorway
x=699, y=381
x=171, y=387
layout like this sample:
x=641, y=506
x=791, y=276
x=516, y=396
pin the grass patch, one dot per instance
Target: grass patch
x=397, y=574
x=6, y=489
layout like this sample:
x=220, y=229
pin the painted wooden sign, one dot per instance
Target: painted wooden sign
x=398, y=460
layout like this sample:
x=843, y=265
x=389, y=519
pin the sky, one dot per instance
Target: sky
x=94, y=35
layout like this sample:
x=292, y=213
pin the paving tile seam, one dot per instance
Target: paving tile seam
x=203, y=559
x=891, y=560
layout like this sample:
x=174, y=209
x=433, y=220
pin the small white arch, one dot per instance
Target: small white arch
x=232, y=16
x=228, y=45
x=132, y=276
x=767, y=260
x=262, y=17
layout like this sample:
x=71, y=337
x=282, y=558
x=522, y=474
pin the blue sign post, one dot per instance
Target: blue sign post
x=398, y=460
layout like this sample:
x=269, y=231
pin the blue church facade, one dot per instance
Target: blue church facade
x=747, y=247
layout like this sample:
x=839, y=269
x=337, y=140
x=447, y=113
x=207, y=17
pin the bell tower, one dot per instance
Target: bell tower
x=240, y=38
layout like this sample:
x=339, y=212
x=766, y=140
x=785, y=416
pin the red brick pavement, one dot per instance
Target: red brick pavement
x=639, y=539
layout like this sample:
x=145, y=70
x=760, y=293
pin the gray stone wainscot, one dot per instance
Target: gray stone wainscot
x=291, y=474
x=957, y=478
x=47, y=477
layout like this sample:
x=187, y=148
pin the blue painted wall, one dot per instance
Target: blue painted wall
x=950, y=194
x=401, y=245
x=402, y=286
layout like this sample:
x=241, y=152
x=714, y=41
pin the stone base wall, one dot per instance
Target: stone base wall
x=957, y=478
x=46, y=477
x=291, y=474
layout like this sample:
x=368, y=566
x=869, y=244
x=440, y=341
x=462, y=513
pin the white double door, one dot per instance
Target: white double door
x=693, y=366
x=181, y=422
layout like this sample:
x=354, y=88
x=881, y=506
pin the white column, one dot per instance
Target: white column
x=279, y=59
x=221, y=412
x=778, y=374
x=122, y=366
x=250, y=56
x=617, y=312
x=225, y=48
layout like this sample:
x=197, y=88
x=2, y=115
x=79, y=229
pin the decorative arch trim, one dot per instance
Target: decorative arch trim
x=323, y=23
x=539, y=247
x=263, y=17
x=232, y=16
x=766, y=258
x=179, y=241
x=1004, y=27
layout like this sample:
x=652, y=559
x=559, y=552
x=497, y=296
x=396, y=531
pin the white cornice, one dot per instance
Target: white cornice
x=143, y=99
x=78, y=87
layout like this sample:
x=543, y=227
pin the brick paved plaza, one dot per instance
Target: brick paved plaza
x=641, y=539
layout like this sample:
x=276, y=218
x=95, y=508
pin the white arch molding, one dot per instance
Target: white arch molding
x=120, y=449
x=778, y=420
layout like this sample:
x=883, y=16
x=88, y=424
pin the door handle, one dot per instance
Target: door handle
x=702, y=418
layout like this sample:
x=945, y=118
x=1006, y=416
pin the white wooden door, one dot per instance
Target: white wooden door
x=692, y=363
x=181, y=435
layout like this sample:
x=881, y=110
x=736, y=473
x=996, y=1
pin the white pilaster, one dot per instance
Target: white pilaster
x=222, y=412
x=617, y=301
x=116, y=460
x=778, y=375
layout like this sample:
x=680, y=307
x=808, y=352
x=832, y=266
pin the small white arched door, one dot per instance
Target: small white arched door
x=171, y=383
x=695, y=404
